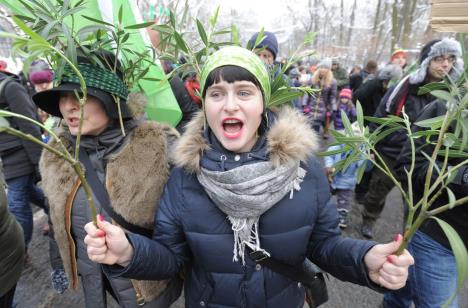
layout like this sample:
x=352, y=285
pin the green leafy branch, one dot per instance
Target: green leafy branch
x=447, y=135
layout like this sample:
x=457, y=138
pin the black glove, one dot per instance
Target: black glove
x=59, y=280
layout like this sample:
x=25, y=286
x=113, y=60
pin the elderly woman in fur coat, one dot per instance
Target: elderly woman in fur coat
x=133, y=168
x=246, y=181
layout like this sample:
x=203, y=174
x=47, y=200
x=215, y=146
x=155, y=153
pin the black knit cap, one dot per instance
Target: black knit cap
x=101, y=83
x=426, y=49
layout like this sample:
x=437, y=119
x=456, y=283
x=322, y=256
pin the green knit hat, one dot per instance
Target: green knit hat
x=238, y=56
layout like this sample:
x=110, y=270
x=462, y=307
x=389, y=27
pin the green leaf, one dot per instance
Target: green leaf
x=164, y=29
x=431, y=87
x=120, y=14
x=4, y=124
x=172, y=19
x=36, y=37
x=434, y=163
x=214, y=18
x=433, y=123
x=283, y=96
x=443, y=95
x=140, y=26
x=456, y=154
x=377, y=135
x=235, y=35
x=350, y=140
x=451, y=197
x=222, y=32
x=309, y=38
x=460, y=253
x=98, y=21
x=346, y=123
x=360, y=115
x=202, y=32
x=72, y=12
x=260, y=38
x=449, y=140
x=344, y=149
x=425, y=133
x=125, y=38
x=361, y=170
x=464, y=127
x=180, y=42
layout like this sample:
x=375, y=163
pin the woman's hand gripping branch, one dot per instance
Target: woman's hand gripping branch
x=107, y=243
x=387, y=269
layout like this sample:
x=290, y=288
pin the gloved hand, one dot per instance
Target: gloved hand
x=59, y=280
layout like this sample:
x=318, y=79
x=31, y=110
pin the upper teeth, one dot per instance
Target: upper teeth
x=231, y=121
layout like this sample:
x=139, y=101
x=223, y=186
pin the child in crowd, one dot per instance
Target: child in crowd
x=344, y=181
x=345, y=104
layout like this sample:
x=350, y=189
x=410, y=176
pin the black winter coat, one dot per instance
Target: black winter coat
x=391, y=145
x=19, y=157
x=190, y=229
x=369, y=95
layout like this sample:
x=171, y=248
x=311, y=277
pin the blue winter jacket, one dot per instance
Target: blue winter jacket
x=191, y=231
x=346, y=178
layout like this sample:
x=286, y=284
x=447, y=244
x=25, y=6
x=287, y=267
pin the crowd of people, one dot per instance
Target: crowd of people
x=195, y=207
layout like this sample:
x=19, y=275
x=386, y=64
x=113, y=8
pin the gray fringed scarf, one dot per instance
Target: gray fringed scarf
x=246, y=192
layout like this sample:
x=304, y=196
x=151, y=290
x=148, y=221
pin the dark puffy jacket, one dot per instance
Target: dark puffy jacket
x=356, y=80
x=369, y=95
x=190, y=229
x=391, y=145
x=19, y=157
x=456, y=217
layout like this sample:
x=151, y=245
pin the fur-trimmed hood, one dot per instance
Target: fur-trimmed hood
x=446, y=46
x=289, y=138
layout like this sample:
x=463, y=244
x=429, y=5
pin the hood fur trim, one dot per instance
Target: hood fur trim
x=137, y=102
x=446, y=46
x=290, y=138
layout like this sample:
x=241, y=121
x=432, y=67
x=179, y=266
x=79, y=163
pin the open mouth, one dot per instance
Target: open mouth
x=232, y=128
x=73, y=121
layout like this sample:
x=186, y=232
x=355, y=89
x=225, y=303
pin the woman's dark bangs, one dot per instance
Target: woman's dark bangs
x=230, y=74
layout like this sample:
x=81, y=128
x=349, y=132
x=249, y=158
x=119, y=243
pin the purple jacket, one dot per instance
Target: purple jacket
x=350, y=111
x=315, y=106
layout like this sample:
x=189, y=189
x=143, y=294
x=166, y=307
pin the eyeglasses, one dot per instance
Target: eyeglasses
x=441, y=59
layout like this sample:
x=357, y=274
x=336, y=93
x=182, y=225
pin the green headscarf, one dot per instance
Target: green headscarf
x=238, y=56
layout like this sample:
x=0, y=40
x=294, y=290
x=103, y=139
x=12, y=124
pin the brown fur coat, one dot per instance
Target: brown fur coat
x=135, y=179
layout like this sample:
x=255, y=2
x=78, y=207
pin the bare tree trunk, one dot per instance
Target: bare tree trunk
x=408, y=24
x=384, y=43
x=381, y=27
x=316, y=23
x=395, y=28
x=341, y=23
x=351, y=23
x=377, y=14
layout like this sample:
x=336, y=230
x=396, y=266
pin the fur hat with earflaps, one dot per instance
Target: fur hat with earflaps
x=435, y=48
